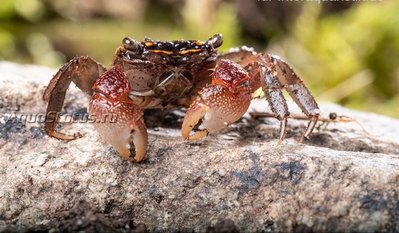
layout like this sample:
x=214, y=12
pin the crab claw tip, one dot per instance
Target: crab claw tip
x=193, y=116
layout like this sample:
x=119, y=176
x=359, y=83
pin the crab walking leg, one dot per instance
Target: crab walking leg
x=219, y=104
x=272, y=89
x=83, y=71
x=116, y=118
x=297, y=90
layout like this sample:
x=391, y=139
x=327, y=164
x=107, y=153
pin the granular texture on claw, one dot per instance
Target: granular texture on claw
x=113, y=83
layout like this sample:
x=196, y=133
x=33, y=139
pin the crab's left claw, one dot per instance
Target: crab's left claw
x=116, y=118
x=219, y=104
x=193, y=116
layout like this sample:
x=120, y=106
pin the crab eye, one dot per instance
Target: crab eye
x=131, y=45
x=216, y=41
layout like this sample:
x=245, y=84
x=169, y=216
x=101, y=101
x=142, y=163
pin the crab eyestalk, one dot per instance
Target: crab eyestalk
x=116, y=118
x=219, y=104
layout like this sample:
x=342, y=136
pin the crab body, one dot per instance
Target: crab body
x=167, y=74
x=215, y=88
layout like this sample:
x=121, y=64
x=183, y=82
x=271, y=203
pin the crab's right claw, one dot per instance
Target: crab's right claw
x=116, y=118
x=219, y=104
x=121, y=126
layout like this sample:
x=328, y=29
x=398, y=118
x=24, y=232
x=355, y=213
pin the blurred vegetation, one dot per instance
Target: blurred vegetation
x=347, y=52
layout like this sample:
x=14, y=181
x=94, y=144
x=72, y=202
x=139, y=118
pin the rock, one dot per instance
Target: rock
x=342, y=179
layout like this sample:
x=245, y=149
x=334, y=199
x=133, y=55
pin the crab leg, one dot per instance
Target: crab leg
x=272, y=89
x=266, y=77
x=116, y=118
x=83, y=71
x=296, y=89
x=219, y=104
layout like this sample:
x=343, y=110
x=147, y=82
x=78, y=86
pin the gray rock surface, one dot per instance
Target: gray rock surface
x=341, y=180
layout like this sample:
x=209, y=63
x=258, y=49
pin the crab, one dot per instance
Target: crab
x=215, y=88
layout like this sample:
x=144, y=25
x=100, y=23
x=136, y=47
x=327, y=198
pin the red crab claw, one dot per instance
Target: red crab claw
x=219, y=104
x=117, y=119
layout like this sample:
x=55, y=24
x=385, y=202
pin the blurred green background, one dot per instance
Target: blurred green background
x=346, y=51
